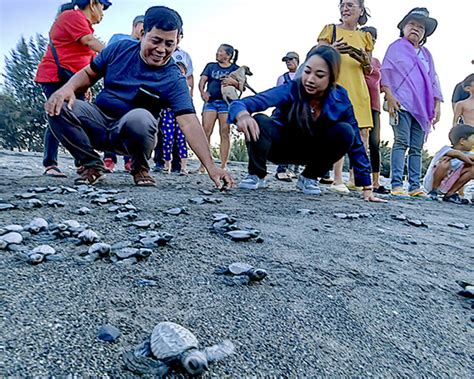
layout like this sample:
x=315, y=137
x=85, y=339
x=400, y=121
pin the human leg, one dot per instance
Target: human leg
x=135, y=135
x=400, y=145
x=224, y=132
x=374, y=148
x=81, y=130
x=209, y=117
x=467, y=174
x=417, y=138
x=166, y=127
x=259, y=150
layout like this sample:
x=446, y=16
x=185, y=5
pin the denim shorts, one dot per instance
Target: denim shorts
x=219, y=106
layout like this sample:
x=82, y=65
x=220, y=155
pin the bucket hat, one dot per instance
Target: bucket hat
x=422, y=15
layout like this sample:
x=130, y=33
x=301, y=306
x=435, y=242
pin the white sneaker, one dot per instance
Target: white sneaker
x=308, y=186
x=252, y=182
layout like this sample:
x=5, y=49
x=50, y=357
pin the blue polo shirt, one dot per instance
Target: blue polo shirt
x=336, y=108
x=124, y=72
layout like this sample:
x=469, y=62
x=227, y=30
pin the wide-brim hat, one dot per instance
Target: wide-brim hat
x=420, y=14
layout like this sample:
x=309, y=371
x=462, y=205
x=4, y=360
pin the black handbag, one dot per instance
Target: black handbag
x=63, y=73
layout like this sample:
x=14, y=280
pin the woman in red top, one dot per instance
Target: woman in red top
x=75, y=45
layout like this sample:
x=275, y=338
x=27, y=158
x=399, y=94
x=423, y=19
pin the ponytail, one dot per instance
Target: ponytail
x=233, y=53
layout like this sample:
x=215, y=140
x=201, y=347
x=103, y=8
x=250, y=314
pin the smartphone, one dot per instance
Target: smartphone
x=393, y=118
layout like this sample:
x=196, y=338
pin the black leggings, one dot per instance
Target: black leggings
x=285, y=145
x=374, y=142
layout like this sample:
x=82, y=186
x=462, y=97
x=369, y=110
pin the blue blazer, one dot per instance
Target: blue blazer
x=336, y=108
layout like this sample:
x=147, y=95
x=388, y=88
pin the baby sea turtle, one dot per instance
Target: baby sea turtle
x=34, y=203
x=37, y=225
x=467, y=289
x=240, y=268
x=145, y=224
x=39, y=253
x=26, y=195
x=56, y=203
x=83, y=211
x=13, y=228
x=88, y=236
x=173, y=346
x=11, y=238
x=130, y=215
x=100, y=248
x=6, y=206
x=176, y=211
x=243, y=235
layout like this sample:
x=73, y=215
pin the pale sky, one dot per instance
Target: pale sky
x=265, y=30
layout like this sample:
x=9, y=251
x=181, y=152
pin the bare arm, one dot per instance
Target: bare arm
x=458, y=109
x=461, y=156
x=190, y=81
x=437, y=111
x=202, y=86
x=91, y=42
x=194, y=133
x=392, y=102
x=79, y=82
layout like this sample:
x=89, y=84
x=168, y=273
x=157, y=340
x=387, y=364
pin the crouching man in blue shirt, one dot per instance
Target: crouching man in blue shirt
x=140, y=79
x=313, y=125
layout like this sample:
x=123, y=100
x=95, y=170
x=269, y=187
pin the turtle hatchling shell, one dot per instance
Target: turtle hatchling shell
x=126, y=252
x=239, y=268
x=100, y=248
x=43, y=250
x=169, y=340
x=14, y=228
x=6, y=206
x=12, y=238
x=36, y=225
x=88, y=236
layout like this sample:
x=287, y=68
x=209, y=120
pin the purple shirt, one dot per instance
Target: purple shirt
x=412, y=85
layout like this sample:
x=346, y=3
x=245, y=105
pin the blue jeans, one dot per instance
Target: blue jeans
x=219, y=106
x=407, y=135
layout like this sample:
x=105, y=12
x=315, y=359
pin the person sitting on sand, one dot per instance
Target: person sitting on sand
x=453, y=166
x=313, y=125
x=139, y=80
x=464, y=109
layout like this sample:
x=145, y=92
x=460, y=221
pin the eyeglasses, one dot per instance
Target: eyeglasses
x=347, y=5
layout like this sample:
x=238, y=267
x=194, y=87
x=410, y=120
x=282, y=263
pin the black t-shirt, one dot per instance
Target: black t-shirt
x=214, y=73
x=459, y=94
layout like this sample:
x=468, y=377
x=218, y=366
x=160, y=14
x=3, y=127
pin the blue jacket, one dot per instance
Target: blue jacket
x=337, y=108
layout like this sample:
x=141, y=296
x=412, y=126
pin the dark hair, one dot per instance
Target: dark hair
x=300, y=111
x=365, y=13
x=467, y=82
x=370, y=29
x=163, y=18
x=81, y=4
x=460, y=131
x=233, y=53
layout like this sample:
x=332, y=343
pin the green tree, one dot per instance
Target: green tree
x=22, y=97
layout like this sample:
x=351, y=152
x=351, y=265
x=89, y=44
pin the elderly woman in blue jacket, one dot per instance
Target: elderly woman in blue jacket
x=313, y=125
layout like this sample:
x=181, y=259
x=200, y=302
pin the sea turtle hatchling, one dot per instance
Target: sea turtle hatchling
x=173, y=346
x=243, y=269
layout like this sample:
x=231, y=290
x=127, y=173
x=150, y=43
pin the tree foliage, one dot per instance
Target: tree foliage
x=24, y=119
